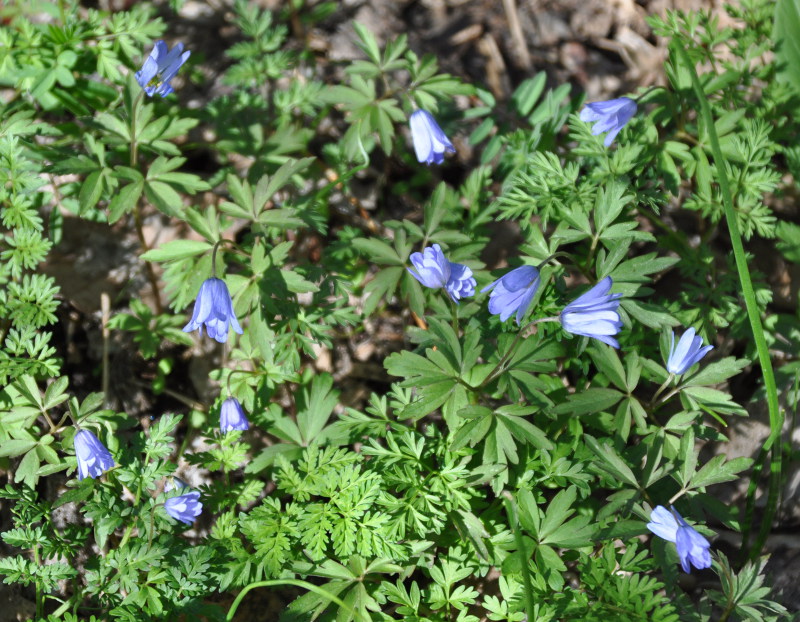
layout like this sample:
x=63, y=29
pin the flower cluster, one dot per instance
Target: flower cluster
x=94, y=459
x=594, y=314
x=431, y=143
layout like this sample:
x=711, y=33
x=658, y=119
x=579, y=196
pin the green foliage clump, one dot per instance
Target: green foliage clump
x=464, y=468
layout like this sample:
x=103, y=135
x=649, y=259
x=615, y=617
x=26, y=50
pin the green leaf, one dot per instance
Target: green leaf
x=77, y=494
x=378, y=251
x=717, y=372
x=789, y=235
x=164, y=197
x=177, y=249
x=27, y=469
x=609, y=461
x=717, y=470
x=91, y=190
x=592, y=400
x=367, y=43
x=525, y=431
x=124, y=201
x=16, y=447
x=787, y=42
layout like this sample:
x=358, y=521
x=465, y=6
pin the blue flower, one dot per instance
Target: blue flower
x=185, y=507
x=686, y=353
x=692, y=547
x=93, y=457
x=160, y=67
x=434, y=270
x=232, y=417
x=611, y=116
x=513, y=292
x=461, y=282
x=214, y=308
x=594, y=314
x=430, y=142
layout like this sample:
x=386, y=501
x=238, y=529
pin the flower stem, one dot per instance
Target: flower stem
x=152, y=524
x=137, y=212
x=775, y=414
x=303, y=584
x=511, y=512
x=214, y=258
x=498, y=369
x=661, y=389
x=639, y=98
x=134, y=153
x=38, y=583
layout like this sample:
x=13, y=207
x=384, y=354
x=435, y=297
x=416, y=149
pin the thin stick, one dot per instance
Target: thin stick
x=105, y=306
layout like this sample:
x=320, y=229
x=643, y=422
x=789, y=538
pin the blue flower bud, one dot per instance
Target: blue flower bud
x=184, y=508
x=686, y=353
x=430, y=142
x=594, y=314
x=214, y=309
x=93, y=457
x=513, y=292
x=232, y=417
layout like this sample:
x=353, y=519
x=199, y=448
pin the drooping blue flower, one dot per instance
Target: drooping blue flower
x=686, y=353
x=214, y=309
x=160, y=67
x=184, y=508
x=434, y=270
x=692, y=546
x=232, y=417
x=611, y=116
x=594, y=314
x=93, y=457
x=513, y=292
x=430, y=142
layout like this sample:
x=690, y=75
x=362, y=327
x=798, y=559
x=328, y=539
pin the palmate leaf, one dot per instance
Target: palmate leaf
x=503, y=431
x=356, y=584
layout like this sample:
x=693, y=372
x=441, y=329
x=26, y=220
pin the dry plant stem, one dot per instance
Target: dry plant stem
x=517, y=35
x=105, y=306
x=148, y=267
x=194, y=404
